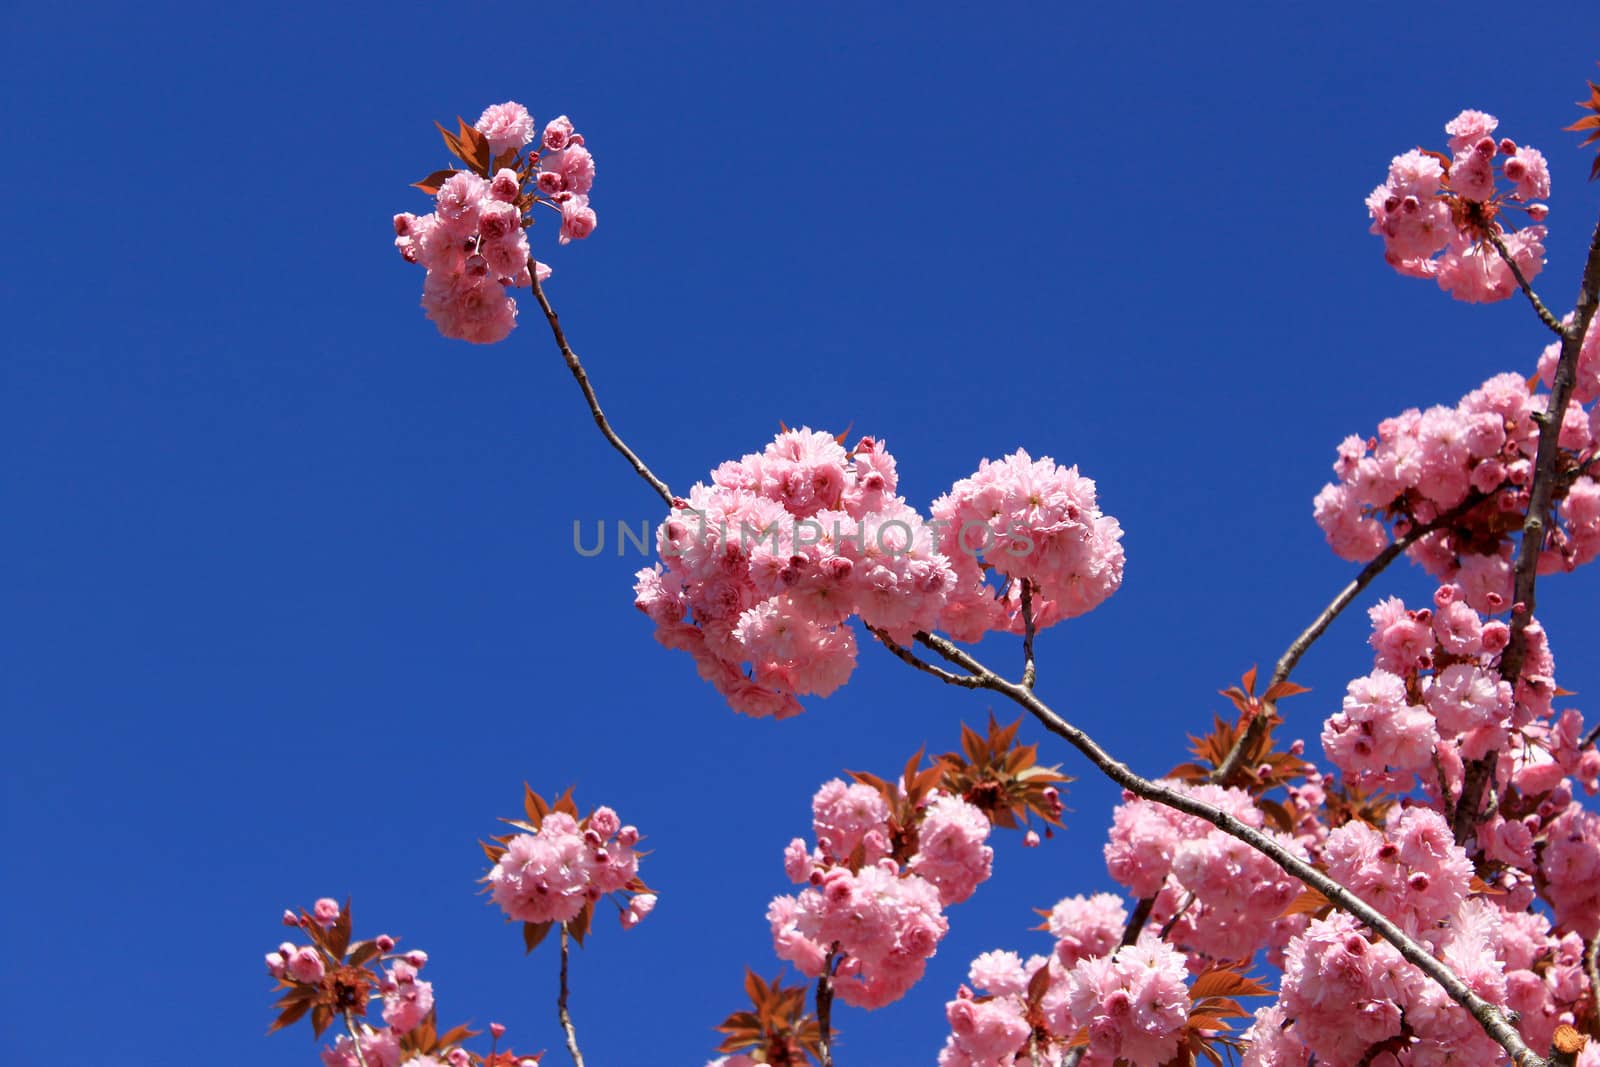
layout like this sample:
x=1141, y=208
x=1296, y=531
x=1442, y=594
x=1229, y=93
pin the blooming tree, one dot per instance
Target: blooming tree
x=1430, y=892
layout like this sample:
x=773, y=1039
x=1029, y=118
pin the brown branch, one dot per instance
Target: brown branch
x=1030, y=671
x=1541, y=492
x=1136, y=921
x=1533, y=297
x=582, y=378
x=1488, y=1016
x=825, y=1009
x=1308, y=637
x=355, y=1038
x=1166, y=927
x=561, y=1006
x=905, y=655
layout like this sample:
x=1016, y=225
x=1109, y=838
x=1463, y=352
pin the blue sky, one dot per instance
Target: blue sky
x=292, y=607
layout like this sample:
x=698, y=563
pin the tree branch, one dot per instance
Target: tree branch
x=910, y=657
x=1030, y=672
x=561, y=1006
x=355, y=1037
x=1487, y=1015
x=1308, y=637
x=825, y=1009
x=588, y=390
x=1533, y=297
x=1541, y=491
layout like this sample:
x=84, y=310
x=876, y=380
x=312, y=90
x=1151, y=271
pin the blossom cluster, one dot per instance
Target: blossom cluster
x=333, y=980
x=474, y=244
x=1478, y=456
x=877, y=883
x=560, y=865
x=766, y=566
x=1130, y=1003
x=1436, y=213
x=1218, y=897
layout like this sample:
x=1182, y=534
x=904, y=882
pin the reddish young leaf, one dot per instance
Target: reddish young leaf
x=1284, y=689
x=579, y=926
x=431, y=183
x=533, y=933
x=475, y=147
x=1226, y=982
x=452, y=142
x=339, y=936
x=1309, y=902
x=290, y=1015
x=457, y=1034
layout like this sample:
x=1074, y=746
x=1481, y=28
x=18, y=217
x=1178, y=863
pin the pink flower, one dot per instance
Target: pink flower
x=543, y=877
x=577, y=219
x=1469, y=127
x=379, y=1048
x=572, y=167
x=1528, y=169
x=506, y=126
x=988, y=1032
x=305, y=965
x=557, y=132
x=325, y=912
x=458, y=202
x=1133, y=1003
x=951, y=852
x=843, y=816
x=1086, y=926
x=406, y=1001
x=639, y=905
x=505, y=186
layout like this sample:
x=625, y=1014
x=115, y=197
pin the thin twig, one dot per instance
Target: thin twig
x=825, y=1009
x=1488, y=1016
x=1588, y=739
x=1166, y=927
x=1030, y=671
x=561, y=1006
x=588, y=391
x=1469, y=809
x=1308, y=637
x=908, y=656
x=355, y=1038
x=1533, y=297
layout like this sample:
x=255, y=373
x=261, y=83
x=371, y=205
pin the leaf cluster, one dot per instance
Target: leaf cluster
x=776, y=1029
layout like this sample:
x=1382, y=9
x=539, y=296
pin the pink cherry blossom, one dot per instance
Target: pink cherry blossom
x=507, y=126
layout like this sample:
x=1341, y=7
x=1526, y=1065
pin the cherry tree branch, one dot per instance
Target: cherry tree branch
x=355, y=1037
x=1308, y=637
x=1469, y=809
x=905, y=655
x=561, y=1006
x=582, y=379
x=1030, y=670
x=1136, y=921
x=980, y=676
x=825, y=1009
x=1533, y=297
x=1488, y=1016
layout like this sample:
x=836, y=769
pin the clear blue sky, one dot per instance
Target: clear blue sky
x=291, y=607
